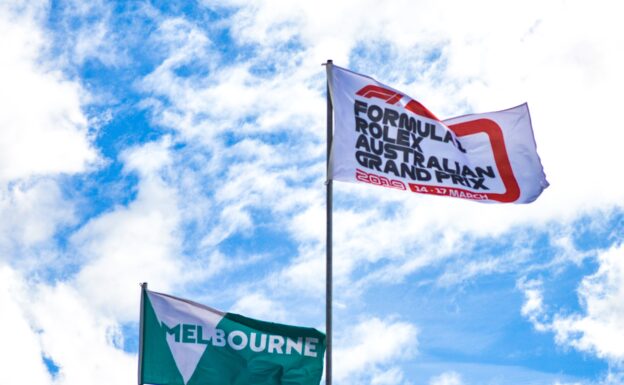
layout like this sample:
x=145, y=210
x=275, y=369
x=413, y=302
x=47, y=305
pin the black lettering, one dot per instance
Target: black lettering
x=456, y=179
x=408, y=171
x=459, y=146
x=434, y=136
x=391, y=167
x=419, y=159
x=390, y=116
x=416, y=143
x=445, y=165
x=466, y=171
x=359, y=106
x=440, y=176
x=448, y=137
x=361, y=125
x=423, y=175
x=394, y=149
x=489, y=172
x=433, y=163
x=387, y=137
x=375, y=113
x=375, y=130
x=390, y=151
x=367, y=160
x=478, y=184
x=409, y=123
x=362, y=142
x=376, y=146
x=403, y=138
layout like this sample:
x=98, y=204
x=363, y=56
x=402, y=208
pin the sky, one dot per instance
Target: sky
x=182, y=143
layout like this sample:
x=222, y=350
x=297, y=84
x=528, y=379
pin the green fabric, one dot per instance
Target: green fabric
x=225, y=365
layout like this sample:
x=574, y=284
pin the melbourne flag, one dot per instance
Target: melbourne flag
x=383, y=137
x=186, y=343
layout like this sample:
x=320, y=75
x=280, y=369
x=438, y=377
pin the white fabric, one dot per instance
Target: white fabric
x=173, y=311
x=383, y=137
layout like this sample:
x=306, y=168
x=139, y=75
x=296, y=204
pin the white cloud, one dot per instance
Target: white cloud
x=89, y=33
x=20, y=349
x=613, y=378
x=599, y=328
x=447, y=378
x=31, y=212
x=44, y=130
x=85, y=344
x=306, y=272
x=258, y=305
x=568, y=252
x=75, y=323
x=610, y=378
x=133, y=244
x=43, y=133
x=371, y=344
x=533, y=308
x=148, y=159
x=392, y=376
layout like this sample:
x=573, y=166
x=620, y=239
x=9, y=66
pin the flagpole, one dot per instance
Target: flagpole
x=328, y=247
x=141, y=340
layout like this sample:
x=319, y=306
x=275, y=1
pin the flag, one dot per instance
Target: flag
x=385, y=138
x=186, y=343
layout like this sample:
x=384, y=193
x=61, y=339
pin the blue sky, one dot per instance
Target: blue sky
x=183, y=144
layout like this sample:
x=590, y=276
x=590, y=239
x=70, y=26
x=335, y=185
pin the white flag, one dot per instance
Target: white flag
x=383, y=137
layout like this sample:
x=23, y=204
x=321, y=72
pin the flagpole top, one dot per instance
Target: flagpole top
x=329, y=61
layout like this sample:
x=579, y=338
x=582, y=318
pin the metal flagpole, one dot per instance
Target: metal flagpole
x=328, y=271
x=141, y=322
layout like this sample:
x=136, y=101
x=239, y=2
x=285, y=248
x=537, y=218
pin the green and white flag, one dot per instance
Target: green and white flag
x=186, y=343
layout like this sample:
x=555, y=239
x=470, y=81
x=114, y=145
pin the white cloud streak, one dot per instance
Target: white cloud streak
x=21, y=346
x=44, y=130
x=447, y=378
x=132, y=244
x=372, y=344
x=533, y=308
x=84, y=343
x=32, y=212
x=599, y=328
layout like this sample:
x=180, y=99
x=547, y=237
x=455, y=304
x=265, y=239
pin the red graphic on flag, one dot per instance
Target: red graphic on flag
x=392, y=97
x=497, y=141
x=389, y=96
